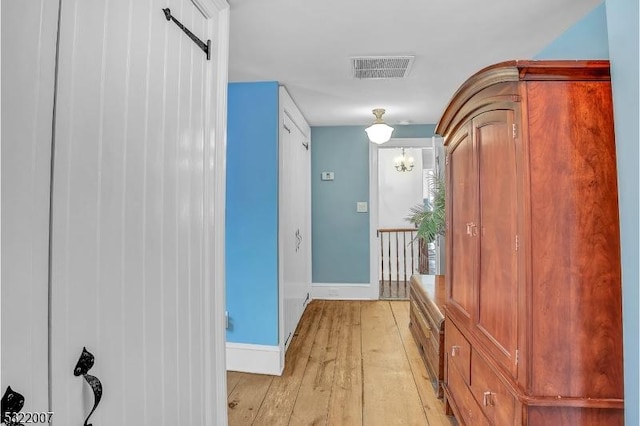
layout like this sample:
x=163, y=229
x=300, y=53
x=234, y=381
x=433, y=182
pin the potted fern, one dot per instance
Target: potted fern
x=429, y=217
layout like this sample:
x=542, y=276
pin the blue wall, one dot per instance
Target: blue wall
x=340, y=236
x=587, y=39
x=618, y=24
x=622, y=18
x=252, y=213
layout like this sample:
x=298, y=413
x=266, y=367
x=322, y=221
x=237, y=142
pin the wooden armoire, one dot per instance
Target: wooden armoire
x=533, y=331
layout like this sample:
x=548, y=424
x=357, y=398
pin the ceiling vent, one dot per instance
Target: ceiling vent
x=380, y=67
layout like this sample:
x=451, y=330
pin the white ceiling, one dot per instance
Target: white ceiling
x=306, y=46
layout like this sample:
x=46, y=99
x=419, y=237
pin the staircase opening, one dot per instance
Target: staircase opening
x=400, y=253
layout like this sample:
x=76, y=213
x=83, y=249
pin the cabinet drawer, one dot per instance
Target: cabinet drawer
x=497, y=403
x=457, y=350
x=463, y=399
x=431, y=333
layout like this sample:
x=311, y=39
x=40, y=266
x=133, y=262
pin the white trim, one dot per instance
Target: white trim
x=289, y=107
x=409, y=143
x=208, y=8
x=220, y=4
x=374, y=282
x=215, y=151
x=258, y=359
x=338, y=291
x=373, y=199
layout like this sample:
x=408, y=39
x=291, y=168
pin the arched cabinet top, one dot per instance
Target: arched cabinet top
x=515, y=72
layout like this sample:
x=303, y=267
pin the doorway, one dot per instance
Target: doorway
x=400, y=179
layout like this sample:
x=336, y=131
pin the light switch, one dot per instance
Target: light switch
x=362, y=207
x=327, y=176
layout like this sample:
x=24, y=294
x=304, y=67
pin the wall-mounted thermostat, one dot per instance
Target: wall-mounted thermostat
x=327, y=176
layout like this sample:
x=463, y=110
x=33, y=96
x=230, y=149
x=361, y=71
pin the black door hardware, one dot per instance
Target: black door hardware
x=206, y=47
x=82, y=368
x=12, y=403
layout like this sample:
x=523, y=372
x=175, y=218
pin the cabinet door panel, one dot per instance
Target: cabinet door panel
x=462, y=212
x=498, y=274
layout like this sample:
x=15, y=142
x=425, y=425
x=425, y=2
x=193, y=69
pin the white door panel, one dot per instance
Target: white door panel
x=294, y=212
x=27, y=113
x=128, y=213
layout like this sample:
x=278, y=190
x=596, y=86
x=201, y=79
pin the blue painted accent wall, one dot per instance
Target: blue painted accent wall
x=340, y=236
x=622, y=18
x=252, y=213
x=583, y=41
x=587, y=39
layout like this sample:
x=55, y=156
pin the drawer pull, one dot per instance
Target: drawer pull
x=487, y=399
x=455, y=351
x=472, y=229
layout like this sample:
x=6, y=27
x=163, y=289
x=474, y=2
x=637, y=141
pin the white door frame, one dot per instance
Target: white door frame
x=214, y=214
x=374, y=255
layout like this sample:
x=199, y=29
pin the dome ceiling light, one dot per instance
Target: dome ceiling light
x=379, y=132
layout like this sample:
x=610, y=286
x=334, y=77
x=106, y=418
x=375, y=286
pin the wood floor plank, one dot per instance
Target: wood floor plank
x=345, y=405
x=233, y=377
x=278, y=404
x=378, y=377
x=433, y=407
x=390, y=393
x=312, y=401
x=247, y=397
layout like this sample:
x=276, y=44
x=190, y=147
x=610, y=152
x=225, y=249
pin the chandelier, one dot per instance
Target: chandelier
x=379, y=132
x=403, y=163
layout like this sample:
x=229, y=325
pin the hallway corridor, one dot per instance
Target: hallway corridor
x=350, y=363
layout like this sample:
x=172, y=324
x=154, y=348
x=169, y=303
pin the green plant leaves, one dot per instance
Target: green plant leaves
x=429, y=217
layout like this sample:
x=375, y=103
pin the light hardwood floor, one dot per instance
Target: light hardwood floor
x=350, y=363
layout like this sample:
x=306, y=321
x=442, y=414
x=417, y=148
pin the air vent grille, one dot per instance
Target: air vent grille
x=380, y=67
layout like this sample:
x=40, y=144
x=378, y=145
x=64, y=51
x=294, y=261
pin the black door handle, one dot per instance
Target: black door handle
x=82, y=368
x=12, y=403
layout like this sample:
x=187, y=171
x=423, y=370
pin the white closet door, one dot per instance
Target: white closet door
x=294, y=219
x=128, y=213
x=28, y=64
x=288, y=214
x=303, y=208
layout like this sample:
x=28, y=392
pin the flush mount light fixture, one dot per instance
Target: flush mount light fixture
x=379, y=132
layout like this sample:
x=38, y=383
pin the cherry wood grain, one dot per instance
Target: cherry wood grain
x=497, y=303
x=490, y=80
x=461, y=215
x=542, y=316
x=576, y=349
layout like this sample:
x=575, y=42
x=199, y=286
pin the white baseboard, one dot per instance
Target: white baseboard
x=333, y=291
x=259, y=359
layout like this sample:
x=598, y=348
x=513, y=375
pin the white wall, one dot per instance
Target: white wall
x=398, y=191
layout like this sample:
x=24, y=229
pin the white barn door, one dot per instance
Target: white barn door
x=133, y=213
x=28, y=69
